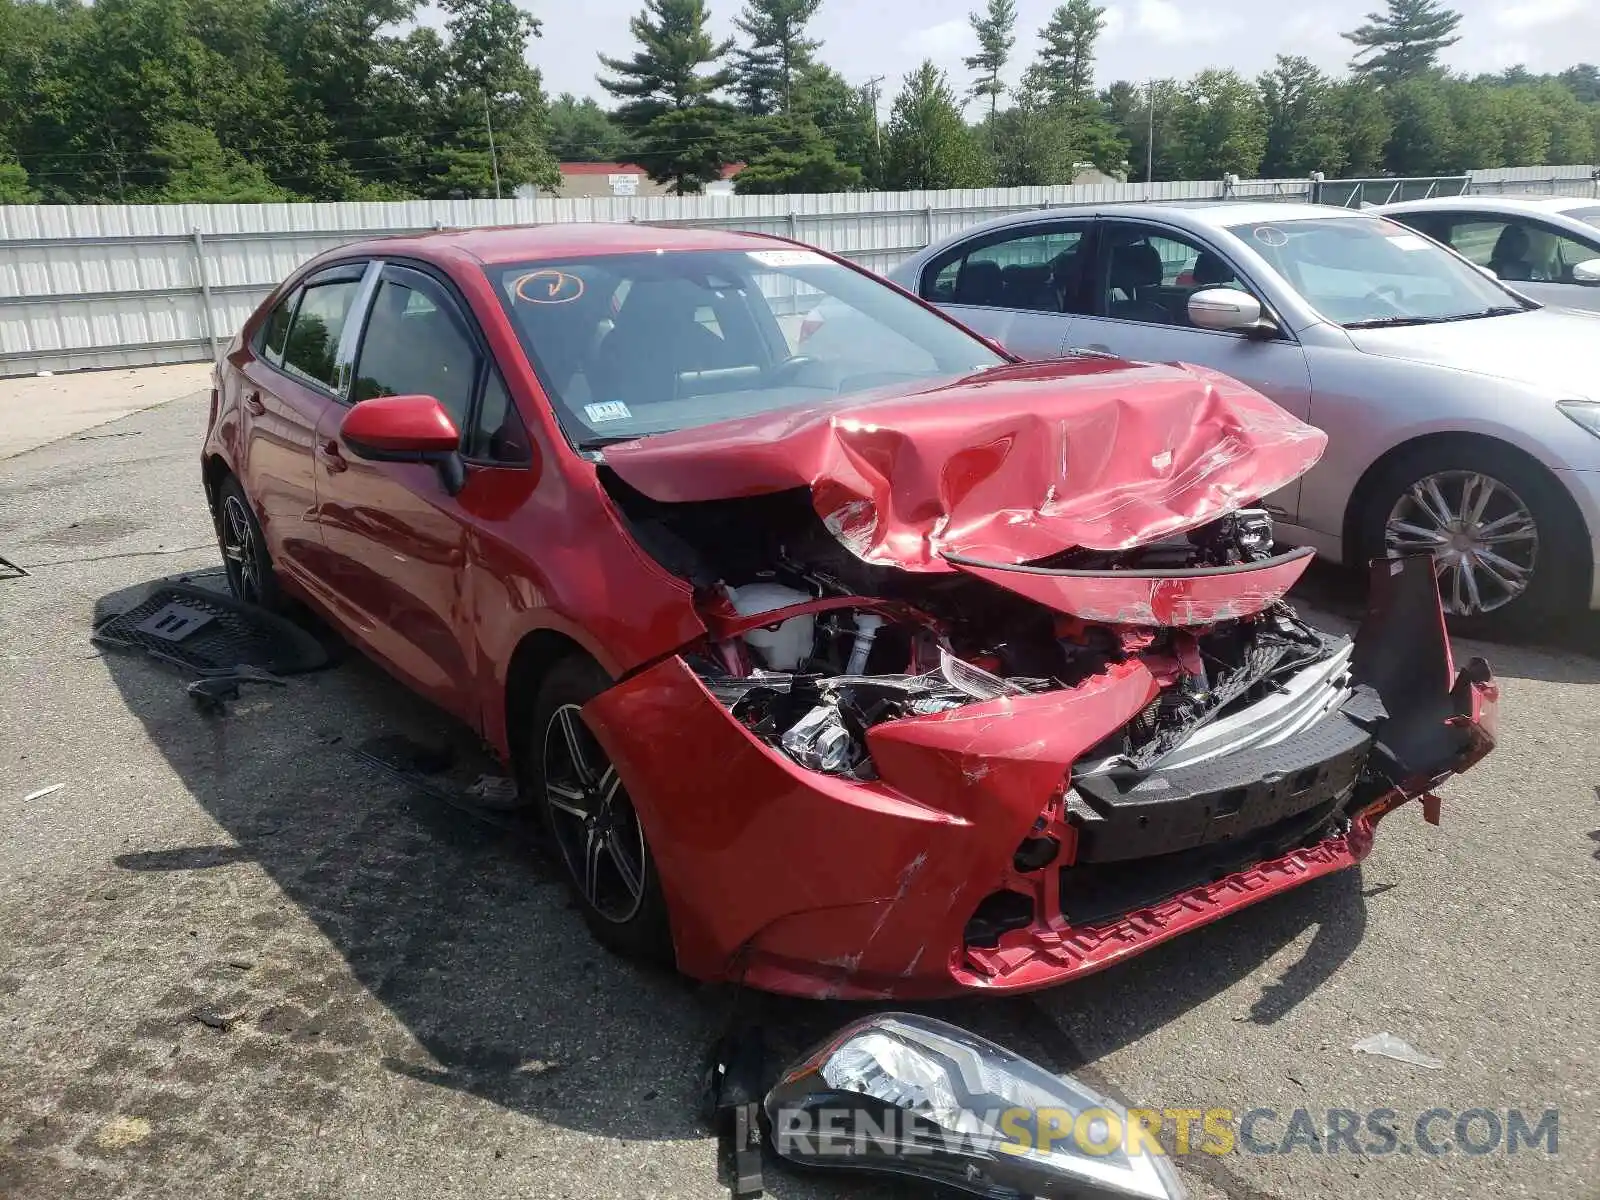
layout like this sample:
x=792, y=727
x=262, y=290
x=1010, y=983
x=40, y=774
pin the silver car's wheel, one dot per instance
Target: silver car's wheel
x=1482, y=535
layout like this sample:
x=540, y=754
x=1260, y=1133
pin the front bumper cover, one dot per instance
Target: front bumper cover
x=797, y=882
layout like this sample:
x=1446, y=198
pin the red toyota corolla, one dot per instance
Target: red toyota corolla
x=841, y=654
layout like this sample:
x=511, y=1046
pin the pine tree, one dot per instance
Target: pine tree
x=682, y=133
x=1403, y=42
x=928, y=145
x=766, y=70
x=1302, y=124
x=996, y=35
x=1066, y=64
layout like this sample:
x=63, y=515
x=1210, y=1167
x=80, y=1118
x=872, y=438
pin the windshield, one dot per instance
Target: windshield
x=1589, y=216
x=628, y=345
x=1368, y=271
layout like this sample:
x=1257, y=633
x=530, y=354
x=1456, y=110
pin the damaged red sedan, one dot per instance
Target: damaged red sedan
x=841, y=654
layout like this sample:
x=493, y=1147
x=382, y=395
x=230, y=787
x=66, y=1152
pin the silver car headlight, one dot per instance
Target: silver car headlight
x=915, y=1096
x=1583, y=412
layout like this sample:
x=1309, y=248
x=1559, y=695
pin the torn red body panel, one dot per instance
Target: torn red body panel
x=1010, y=465
x=1197, y=596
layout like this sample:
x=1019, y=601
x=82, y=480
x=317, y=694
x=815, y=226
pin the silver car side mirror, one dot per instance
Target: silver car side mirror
x=1587, y=272
x=1225, y=309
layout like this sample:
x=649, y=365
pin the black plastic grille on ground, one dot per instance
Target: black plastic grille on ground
x=211, y=634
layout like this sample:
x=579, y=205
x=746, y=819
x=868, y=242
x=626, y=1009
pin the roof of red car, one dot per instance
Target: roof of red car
x=523, y=243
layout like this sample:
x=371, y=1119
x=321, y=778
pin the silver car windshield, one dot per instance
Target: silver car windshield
x=628, y=345
x=1364, y=272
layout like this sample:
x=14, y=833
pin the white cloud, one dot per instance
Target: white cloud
x=940, y=42
x=1116, y=23
x=1161, y=20
x=1530, y=14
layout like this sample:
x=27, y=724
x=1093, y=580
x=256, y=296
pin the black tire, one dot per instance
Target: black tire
x=1557, y=559
x=244, y=549
x=579, y=803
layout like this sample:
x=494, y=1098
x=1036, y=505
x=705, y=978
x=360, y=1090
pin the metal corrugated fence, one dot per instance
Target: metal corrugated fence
x=88, y=286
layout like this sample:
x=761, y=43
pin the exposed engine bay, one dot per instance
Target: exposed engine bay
x=852, y=644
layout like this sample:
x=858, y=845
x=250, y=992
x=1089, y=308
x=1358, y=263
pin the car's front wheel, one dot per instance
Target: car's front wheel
x=1509, y=549
x=596, y=831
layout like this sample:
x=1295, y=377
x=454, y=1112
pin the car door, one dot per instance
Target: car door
x=1021, y=286
x=288, y=385
x=397, y=541
x=1142, y=277
x=1531, y=256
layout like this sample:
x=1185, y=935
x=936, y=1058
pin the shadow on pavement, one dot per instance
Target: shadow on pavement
x=447, y=950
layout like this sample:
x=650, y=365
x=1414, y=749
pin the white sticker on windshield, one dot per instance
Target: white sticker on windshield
x=788, y=258
x=1407, y=241
x=607, y=410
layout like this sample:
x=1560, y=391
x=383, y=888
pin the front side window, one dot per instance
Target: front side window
x=1037, y=270
x=313, y=343
x=416, y=344
x=1364, y=272
x=628, y=345
x=1519, y=250
x=1148, y=276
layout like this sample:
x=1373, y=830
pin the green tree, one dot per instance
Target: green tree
x=1525, y=123
x=927, y=144
x=766, y=70
x=996, y=33
x=1571, y=137
x=1478, y=118
x=14, y=187
x=582, y=131
x=1364, y=126
x=1404, y=41
x=794, y=158
x=1303, y=130
x=1145, y=119
x=1034, y=141
x=197, y=169
x=1583, y=81
x=1220, y=127
x=843, y=115
x=682, y=133
x=492, y=106
x=1422, y=141
x=1066, y=62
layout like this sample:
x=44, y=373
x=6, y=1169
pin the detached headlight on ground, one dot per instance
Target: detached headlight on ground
x=914, y=1096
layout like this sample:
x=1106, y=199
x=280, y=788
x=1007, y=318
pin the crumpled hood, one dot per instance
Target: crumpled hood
x=1010, y=465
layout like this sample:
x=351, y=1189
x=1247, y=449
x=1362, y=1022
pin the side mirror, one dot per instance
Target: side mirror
x=1225, y=309
x=1587, y=272
x=406, y=429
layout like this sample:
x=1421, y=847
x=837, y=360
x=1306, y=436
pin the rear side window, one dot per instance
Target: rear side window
x=276, y=333
x=1040, y=270
x=313, y=344
x=416, y=344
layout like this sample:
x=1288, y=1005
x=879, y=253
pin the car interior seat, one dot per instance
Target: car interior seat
x=1136, y=266
x=979, y=283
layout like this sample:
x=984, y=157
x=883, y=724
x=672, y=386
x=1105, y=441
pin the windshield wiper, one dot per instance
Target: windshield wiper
x=1494, y=310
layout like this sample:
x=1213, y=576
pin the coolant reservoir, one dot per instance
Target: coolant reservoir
x=784, y=647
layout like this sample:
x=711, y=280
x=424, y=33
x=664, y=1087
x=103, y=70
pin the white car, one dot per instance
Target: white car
x=1547, y=247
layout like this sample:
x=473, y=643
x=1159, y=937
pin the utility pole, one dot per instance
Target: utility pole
x=488, y=121
x=877, y=136
x=1150, y=140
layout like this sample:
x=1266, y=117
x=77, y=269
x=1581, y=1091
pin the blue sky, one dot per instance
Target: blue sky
x=1143, y=38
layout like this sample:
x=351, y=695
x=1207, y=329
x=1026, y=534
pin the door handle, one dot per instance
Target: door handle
x=253, y=405
x=331, y=457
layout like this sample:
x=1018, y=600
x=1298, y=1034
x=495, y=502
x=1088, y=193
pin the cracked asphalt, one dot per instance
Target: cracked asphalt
x=238, y=959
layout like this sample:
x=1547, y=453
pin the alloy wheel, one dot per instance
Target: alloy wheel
x=593, y=820
x=1483, y=538
x=239, y=551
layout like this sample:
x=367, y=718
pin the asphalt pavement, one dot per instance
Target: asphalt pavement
x=236, y=958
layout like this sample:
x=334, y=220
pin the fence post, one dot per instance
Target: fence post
x=205, y=290
x=794, y=228
x=927, y=226
x=1317, y=178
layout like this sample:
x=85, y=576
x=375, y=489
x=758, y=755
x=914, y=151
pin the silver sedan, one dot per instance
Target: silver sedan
x=1463, y=418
